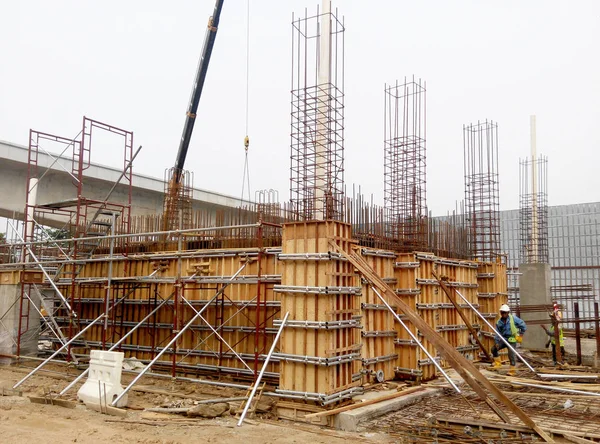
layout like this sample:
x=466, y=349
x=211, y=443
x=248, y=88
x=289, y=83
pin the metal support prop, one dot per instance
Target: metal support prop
x=217, y=334
x=172, y=341
x=577, y=332
x=39, y=264
x=57, y=351
x=448, y=292
x=262, y=370
x=597, y=328
x=107, y=295
x=497, y=334
x=414, y=338
x=119, y=342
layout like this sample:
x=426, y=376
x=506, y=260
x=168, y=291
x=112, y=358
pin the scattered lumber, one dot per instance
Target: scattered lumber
x=364, y=403
x=52, y=401
x=107, y=410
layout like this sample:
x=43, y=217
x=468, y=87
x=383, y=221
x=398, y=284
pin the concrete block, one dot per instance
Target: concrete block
x=349, y=421
x=104, y=381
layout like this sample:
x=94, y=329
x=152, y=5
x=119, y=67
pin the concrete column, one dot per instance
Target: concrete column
x=534, y=286
x=10, y=294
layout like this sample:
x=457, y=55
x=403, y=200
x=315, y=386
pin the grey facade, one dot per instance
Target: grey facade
x=574, y=255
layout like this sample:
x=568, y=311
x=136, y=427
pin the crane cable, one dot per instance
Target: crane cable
x=246, y=177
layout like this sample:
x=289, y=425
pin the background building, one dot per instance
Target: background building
x=573, y=251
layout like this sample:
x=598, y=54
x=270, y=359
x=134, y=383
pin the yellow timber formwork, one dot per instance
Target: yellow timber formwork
x=248, y=300
x=491, y=294
x=320, y=347
x=378, y=354
x=339, y=334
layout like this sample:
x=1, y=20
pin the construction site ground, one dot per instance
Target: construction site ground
x=24, y=421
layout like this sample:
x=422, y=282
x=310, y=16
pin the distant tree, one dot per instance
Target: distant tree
x=56, y=233
x=2, y=238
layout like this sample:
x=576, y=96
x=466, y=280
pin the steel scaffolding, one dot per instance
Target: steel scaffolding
x=405, y=163
x=85, y=216
x=482, y=189
x=317, y=117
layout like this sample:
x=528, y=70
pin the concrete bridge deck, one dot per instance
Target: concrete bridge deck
x=57, y=186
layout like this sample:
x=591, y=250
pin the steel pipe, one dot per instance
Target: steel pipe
x=57, y=352
x=497, y=334
x=414, y=338
x=262, y=370
x=119, y=342
x=172, y=341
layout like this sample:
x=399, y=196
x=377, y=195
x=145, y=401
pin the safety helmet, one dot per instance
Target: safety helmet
x=504, y=308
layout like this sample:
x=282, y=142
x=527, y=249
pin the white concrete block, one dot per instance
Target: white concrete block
x=103, y=385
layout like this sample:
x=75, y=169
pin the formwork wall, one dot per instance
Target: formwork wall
x=245, y=308
x=339, y=334
x=491, y=294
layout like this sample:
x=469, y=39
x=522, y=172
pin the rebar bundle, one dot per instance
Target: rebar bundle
x=317, y=117
x=404, y=164
x=482, y=189
x=533, y=210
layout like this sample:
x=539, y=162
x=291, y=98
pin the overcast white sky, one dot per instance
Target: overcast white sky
x=131, y=63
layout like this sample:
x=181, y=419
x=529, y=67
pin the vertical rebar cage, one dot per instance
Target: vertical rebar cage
x=177, y=205
x=317, y=117
x=533, y=210
x=405, y=163
x=482, y=199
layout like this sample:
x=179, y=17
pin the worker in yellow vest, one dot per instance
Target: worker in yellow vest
x=555, y=315
x=511, y=327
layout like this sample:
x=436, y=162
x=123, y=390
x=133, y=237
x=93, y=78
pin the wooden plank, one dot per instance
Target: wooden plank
x=107, y=410
x=52, y=401
x=365, y=403
x=449, y=292
x=464, y=367
x=575, y=439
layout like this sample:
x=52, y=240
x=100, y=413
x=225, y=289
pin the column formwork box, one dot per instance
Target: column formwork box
x=379, y=330
x=320, y=347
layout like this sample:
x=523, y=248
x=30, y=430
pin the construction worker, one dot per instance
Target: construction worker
x=511, y=328
x=556, y=317
x=552, y=341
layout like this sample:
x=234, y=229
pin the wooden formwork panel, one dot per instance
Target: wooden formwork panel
x=492, y=293
x=409, y=354
x=236, y=308
x=435, y=308
x=378, y=332
x=337, y=349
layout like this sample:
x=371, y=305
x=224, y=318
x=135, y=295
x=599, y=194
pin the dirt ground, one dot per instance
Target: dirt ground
x=24, y=422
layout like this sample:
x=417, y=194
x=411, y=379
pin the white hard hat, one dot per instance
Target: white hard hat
x=505, y=308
